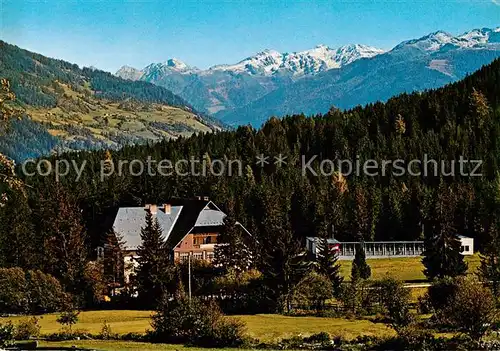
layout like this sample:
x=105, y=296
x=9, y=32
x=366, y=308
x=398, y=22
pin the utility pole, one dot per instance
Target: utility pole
x=189, y=276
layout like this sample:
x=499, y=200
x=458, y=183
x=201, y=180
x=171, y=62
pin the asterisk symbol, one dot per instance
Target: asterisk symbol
x=280, y=160
x=262, y=160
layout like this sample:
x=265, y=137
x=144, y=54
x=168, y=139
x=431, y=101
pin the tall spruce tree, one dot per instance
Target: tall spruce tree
x=65, y=251
x=113, y=264
x=154, y=269
x=360, y=269
x=18, y=244
x=231, y=251
x=442, y=255
x=327, y=264
x=489, y=269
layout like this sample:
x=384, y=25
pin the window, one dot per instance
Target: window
x=208, y=240
x=198, y=255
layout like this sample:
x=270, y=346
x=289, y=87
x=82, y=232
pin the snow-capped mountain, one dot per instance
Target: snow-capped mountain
x=172, y=65
x=320, y=59
x=273, y=83
x=437, y=40
x=127, y=72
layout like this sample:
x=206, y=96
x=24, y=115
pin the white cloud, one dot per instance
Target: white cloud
x=496, y=2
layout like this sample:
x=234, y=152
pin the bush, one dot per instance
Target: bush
x=472, y=308
x=67, y=334
x=322, y=337
x=396, y=301
x=68, y=318
x=44, y=293
x=31, y=291
x=106, y=333
x=6, y=334
x=12, y=294
x=413, y=338
x=195, y=322
x=27, y=329
x=313, y=290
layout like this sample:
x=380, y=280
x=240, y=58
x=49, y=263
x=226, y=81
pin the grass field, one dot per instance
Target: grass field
x=406, y=269
x=79, y=116
x=265, y=327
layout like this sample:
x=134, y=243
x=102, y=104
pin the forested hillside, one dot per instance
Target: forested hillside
x=32, y=75
x=280, y=204
x=85, y=108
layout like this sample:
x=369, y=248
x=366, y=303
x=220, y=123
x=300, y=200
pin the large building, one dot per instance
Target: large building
x=382, y=249
x=190, y=226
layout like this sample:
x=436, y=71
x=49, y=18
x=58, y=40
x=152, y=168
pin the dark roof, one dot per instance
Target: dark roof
x=191, y=209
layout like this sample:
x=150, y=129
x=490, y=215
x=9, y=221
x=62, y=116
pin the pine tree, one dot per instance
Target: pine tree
x=442, y=255
x=327, y=264
x=489, y=269
x=18, y=244
x=360, y=269
x=231, y=252
x=64, y=239
x=154, y=270
x=113, y=263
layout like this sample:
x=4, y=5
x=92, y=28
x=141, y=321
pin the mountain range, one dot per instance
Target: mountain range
x=312, y=81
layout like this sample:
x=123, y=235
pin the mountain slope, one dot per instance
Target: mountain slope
x=429, y=62
x=226, y=87
x=87, y=108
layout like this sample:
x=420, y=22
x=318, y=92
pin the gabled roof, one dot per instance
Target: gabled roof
x=130, y=220
x=210, y=217
x=195, y=214
x=186, y=215
x=329, y=240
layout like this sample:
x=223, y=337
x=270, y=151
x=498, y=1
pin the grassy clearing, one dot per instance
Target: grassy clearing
x=406, y=269
x=269, y=327
x=92, y=321
x=78, y=116
x=265, y=327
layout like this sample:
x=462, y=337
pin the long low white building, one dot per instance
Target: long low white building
x=382, y=249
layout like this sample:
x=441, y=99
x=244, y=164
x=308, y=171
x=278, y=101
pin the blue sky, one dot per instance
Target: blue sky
x=110, y=33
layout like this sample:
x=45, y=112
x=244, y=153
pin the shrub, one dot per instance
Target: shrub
x=472, y=308
x=31, y=291
x=396, y=300
x=196, y=323
x=44, y=293
x=12, y=294
x=413, y=338
x=68, y=318
x=27, y=329
x=67, y=334
x=313, y=290
x=6, y=334
x=322, y=337
x=106, y=332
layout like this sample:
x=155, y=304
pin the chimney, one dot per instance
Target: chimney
x=167, y=208
x=152, y=208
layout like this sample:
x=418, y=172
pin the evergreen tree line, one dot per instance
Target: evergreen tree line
x=280, y=206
